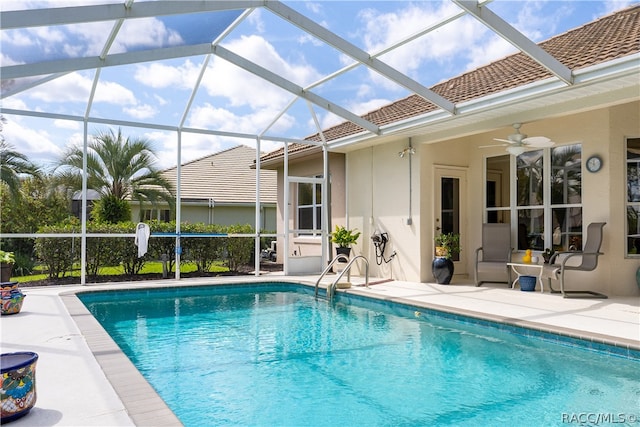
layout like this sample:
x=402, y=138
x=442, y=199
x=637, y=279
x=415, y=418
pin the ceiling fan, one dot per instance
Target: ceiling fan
x=517, y=142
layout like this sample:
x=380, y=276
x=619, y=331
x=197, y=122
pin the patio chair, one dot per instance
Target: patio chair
x=589, y=261
x=494, y=254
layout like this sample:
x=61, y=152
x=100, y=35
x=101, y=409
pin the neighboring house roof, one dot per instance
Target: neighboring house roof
x=226, y=177
x=606, y=39
x=91, y=195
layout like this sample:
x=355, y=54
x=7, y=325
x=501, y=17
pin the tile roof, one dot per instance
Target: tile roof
x=608, y=38
x=225, y=177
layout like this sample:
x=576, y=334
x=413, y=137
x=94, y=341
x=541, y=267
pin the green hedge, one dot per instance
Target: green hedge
x=60, y=254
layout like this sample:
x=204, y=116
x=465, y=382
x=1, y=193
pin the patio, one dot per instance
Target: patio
x=84, y=380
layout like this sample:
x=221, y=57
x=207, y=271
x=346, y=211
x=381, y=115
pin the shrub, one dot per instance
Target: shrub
x=111, y=209
x=239, y=249
x=58, y=254
x=203, y=251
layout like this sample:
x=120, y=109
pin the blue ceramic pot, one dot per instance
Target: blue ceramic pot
x=18, y=384
x=442, y=269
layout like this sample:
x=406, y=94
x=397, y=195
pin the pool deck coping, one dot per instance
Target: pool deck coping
x=131, y=400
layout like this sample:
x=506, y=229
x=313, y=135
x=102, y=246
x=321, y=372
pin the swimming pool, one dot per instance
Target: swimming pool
x=273, y=355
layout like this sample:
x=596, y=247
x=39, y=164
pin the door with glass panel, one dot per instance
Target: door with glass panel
x=449, y=208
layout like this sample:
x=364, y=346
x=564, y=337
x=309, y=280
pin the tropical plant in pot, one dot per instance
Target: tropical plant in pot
x=344, y=238
x=447, y=244
x=7, y=259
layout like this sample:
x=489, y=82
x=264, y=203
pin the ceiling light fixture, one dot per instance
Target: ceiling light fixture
x=515, y=150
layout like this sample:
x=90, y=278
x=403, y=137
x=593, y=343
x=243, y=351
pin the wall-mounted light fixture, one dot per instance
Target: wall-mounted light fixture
x=408, y=150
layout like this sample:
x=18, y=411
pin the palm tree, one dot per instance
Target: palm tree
x=118, y=169
x=12, y=165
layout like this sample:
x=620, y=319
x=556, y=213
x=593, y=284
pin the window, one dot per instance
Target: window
x=163, y=215
x=633, y=196
x=547, y=215
x=309, y=207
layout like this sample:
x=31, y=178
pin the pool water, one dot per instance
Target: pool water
x=274, y=356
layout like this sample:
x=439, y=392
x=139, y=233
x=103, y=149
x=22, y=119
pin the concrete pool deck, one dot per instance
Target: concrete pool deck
x=83, y=379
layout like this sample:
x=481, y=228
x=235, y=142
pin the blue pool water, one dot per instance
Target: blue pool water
x=271, y=355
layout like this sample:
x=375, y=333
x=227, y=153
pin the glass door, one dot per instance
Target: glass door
x=450, y=190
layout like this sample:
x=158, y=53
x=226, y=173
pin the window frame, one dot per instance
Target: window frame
x=514, y=208
x=630, y=203
x=316, y=208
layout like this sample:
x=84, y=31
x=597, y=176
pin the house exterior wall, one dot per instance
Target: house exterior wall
x=223, y=215
x=378, y=196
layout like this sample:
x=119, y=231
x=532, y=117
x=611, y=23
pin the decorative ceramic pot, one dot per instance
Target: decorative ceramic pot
x=18, y=384
x=12, y=298
x=441, y=251
x=527, y=283
x=442, y=269
x=343, y=251
x=8, y=288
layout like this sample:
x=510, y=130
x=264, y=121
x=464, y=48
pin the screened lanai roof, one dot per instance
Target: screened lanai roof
x=281, y=71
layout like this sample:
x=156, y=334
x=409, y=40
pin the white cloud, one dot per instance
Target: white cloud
x=210, y=117
x=255, y=19
x=142, y=111
x=67, y=124
x=243, y=88
x=36, y=144
x=444, y=46
x=147, y=32
x=16, y=38
x=194, y=146
x=157, y=75
x=613, y=5
x=75, y=87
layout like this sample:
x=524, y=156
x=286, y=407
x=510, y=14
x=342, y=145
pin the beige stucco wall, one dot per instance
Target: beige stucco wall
x=223, y=215
x=378, y=195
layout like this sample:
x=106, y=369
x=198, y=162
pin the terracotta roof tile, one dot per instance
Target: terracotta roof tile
x=608, y=38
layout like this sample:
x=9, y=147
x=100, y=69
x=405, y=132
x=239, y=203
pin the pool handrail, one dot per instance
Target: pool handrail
x=347, y=269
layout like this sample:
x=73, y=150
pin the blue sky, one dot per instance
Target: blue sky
x=233, y=100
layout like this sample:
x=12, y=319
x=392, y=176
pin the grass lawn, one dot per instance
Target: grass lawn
x=148, y=268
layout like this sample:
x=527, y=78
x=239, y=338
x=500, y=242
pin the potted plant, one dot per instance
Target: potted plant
x=7, y=259
x=344, y=238
x=447, y=244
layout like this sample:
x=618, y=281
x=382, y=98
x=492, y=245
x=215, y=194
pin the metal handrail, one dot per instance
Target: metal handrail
x=347, y=269
x=326, y=270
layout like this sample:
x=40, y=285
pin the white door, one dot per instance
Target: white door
x=449, y=209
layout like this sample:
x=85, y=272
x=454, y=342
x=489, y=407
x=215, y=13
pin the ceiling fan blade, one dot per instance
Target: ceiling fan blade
x=493, y=145
x=505, y=140
x=538, y=142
